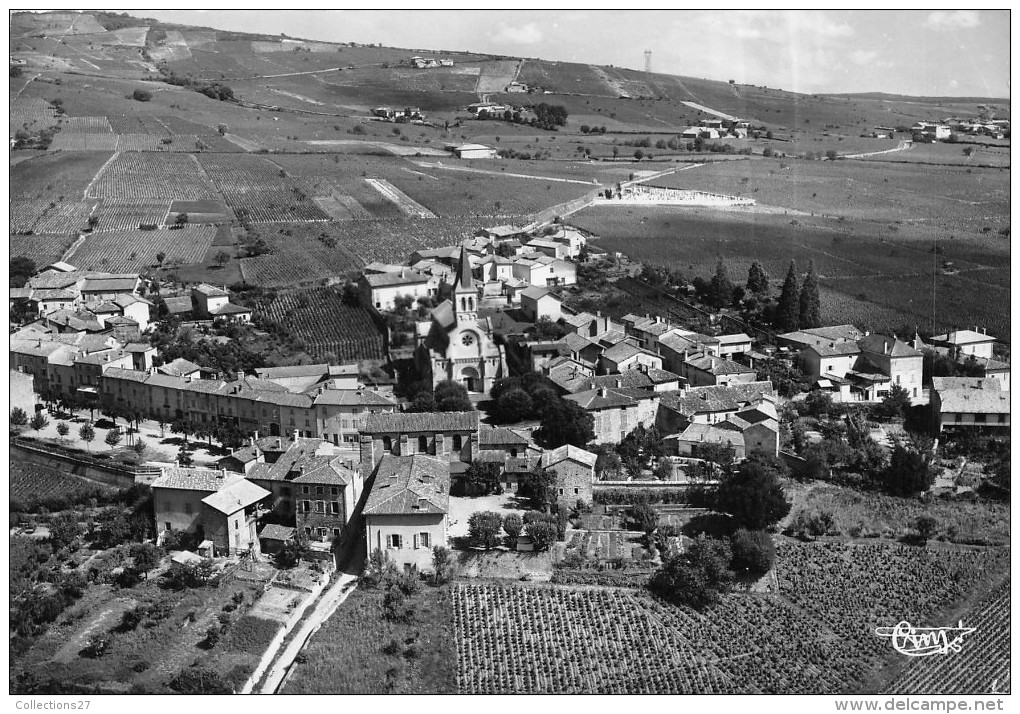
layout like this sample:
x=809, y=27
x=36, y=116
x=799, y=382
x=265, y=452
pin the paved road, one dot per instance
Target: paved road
x=328, y=603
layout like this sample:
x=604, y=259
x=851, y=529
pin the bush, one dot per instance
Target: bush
x=96, y=647
x=543, y=533
x=483, y=529
x=753, y=552
x=697, y=577
x=812, y=523
x=512, y=525
x=141, y=95
x=199, y=680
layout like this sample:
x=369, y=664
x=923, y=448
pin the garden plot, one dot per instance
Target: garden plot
x=139, y=175
x=119, y=214
x=400, y=199
x=133, y=251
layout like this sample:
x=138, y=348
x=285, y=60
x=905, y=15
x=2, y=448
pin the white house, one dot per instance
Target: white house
x=380, y=290
x=474, y=151
x=537, y=303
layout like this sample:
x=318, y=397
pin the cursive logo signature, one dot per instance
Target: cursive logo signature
x=925, y=641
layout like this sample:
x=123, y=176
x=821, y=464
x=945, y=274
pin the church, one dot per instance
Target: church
x=458, y=345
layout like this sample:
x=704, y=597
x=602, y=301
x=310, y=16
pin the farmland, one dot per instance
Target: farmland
x=258, y=190
x=164, y=176
x=42, y=248
x=333, y=331
x=115, y=214
x=135, y=250
x=31, y=482
x=50, y=176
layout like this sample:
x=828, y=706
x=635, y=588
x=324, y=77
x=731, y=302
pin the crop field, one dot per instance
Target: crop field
x=333, y=331
x=135, y=250
x=83, y=141
x=985, y=669
x=401, y=200
x=818, y=639
x=857, y=268
x=86, y=125
x=55, y=174
x=25, y=214
x=137, y=124
x=117, y=214
x=30, y=482
x=342, y=208
x=944, y=153
x=259, y=191
x=42, y=248
x=32, y=114
x=164, y=176
x=65, y=217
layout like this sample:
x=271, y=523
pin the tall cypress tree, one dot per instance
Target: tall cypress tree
x=757, y=279
x=788, y=310
x=721, y=293
x=810, y=303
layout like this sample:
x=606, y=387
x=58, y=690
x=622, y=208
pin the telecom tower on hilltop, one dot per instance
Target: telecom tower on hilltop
x=648, y=61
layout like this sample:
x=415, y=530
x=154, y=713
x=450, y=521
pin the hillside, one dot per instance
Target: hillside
x=140, y=127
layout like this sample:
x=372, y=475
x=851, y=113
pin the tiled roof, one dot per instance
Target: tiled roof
x=194, y=479
x=274, y=531
x=229, y=309
x=880, y=344
x=536, y=293
x=622, y=351
x=568, y=451
x=940, y=384
x=974, y=401
x=576, y=342
x=716, y=398
x=500, y=436
x=265, y=443
x=300, y=370
x=708, y=433
x=178, y=305
x=329, y=470
x=835, y=349
x=436, y=422
x=352, y=397
x=294, y=454
x=53, y=294
x=735, y=339
x=404, y=277
x=594, y=399
x=114, y=283
x=964, y=337
x=20, y=293
x=409, y=485
x=179, y=367
x=235, y=496
x=715, y=365
x=823, y=334
x=210, y=291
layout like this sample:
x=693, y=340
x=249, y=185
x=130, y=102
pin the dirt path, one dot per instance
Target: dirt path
x=703, y=108
x=904, y=145
x=439, y=165
x=328, y=603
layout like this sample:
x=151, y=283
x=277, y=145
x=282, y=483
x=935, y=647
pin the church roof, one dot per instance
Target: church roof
x=465, y=281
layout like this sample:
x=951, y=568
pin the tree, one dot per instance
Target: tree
x=38, y=422
x=483, y=529
x=926, y=527
x=567, y=422
x=753, y=552
x=909, y=470
x=184, y=427
x=87, y=434
x=485, y=475
x=141, y=95
x=639, y=154
x=452, y=397
x=64, y=531
x=22, y=268
x=514, y=405
x=546, y=329
x=63, y=429
x=160, y=257
x=442, y=565
x=895, y=404
x=512, y=525
x=540, y=488
x=753, y=495
x=379, y=568
x=696, y=577
x=757, y=280
x=543, y=533
x=146, y=556
x=810, y=305
x=222, y=257
x=644, y=517
x=788, y=310
x=199, y=680
x=19, y=418
x=112, y=437
x=184, y=456
x=720, y=289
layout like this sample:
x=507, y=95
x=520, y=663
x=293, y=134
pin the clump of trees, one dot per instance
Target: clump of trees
x=528, y=396
x=698, y=577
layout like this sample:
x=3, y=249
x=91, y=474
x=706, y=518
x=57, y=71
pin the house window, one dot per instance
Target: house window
x=457, y=442
x=394, y=541
x=237, y=524
x=319, y=490
x=387, y=443
x=323, y=532
x=285, y=491
x=1002, y=418
x=336, y=532
x=423, y=444
x=306, y=506
x=334, y=508
x=333, y=491
x=576, y=491
x=305, y=490
x=320, y=507
x=425, y=539
x=308, y=531
x=561, y=491
x=979, y=418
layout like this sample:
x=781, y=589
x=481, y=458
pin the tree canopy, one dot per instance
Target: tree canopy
x=698, y=576
x=810, y=304
x=452, y=397
x=788, y=310
x=753, y=495
x=567, y=422
x=757, y=279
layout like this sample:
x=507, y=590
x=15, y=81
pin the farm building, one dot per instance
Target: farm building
x=552, y=248
x=731, y=345
x=215, y=505
x=968, y=403
x=212, y=302
x=474, y=151
x=537, y=303
x=595, y=327
x=380, y=290
x=872, y=364
x=575, y=473
x=975, y=342
x=406, y=512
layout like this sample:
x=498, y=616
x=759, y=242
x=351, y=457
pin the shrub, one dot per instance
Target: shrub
x=199, y=680
x=141, y=95
x=483, y=529
x=753, y=552
x=512, y=525
x=96, y=647
x=543, y=533
x=251, y=635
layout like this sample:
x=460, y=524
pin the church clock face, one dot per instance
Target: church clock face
x=467, y=339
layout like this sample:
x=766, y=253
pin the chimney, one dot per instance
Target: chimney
x=240, y=375
x=295, y=435
x=223, y=473
x=604, y=392
x=885, y=347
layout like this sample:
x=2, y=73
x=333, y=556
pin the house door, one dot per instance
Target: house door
x=274, y=429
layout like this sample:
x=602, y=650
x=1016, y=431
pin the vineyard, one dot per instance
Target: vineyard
x=983, y=664
x=30, y=482
x=259, y=191
x=31, y=114
x=42, y=248
x=163, y=176
x=817, y=638
x=129, y=214
x=48, y=217
x=134, y=250
x=333, y=331
x=83, y=141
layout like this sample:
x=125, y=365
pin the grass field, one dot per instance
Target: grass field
x=357, y=651
x=50, y=176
